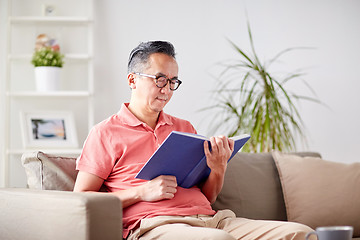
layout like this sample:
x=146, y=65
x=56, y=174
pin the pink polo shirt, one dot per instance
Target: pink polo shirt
x=118, y=147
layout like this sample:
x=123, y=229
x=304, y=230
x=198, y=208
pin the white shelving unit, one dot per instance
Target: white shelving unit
x=72, y=26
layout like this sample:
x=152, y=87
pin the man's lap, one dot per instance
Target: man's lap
x=222, y=226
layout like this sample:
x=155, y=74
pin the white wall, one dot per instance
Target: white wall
x=199, y=29
x=3, y=8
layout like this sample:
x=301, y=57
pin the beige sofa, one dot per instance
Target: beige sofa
x=49, y=210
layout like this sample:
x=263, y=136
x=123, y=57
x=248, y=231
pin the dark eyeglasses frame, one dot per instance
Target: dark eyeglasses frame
x=157, y=79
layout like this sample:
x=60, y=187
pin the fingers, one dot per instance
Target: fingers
x=206, y=148
x=166, y=177
x=231, y=144
x=167, y=186
x=221, y=144
x=161, y=187
x=167, y=180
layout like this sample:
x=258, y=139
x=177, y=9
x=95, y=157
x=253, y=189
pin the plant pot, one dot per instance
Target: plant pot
x=47, y=79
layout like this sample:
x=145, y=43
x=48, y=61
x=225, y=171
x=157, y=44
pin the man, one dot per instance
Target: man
x=117, y=148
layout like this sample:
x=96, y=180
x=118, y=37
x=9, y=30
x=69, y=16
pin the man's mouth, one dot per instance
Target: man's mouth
x=162, y=98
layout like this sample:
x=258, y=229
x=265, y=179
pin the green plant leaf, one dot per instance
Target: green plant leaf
x=47, y=57
x=250, y=99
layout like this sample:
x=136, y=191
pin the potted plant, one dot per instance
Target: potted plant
x=252, y=100
x=48, y=62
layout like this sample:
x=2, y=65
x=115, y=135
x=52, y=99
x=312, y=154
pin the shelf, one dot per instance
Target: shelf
x=75, y=32
x=62, y=20
x=49, y=94
x=27, y=57
x=66, y=151
x=77, y=56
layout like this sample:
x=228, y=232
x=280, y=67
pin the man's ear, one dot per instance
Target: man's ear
x=131, y=80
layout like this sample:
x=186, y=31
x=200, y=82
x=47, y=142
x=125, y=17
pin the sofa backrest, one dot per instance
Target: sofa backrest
x=252, y=187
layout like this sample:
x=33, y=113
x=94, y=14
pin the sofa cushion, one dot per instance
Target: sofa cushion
x=252, y=188
x=318, y=192
x=49, y=172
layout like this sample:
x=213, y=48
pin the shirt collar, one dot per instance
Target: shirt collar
x=164, y=119
x=129, y=119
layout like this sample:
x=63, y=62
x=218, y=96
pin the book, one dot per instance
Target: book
x=182, y=155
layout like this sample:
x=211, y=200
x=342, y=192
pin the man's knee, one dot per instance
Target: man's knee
x=297, y=231
x=183, y=231
x=205, y=233
x=217, y=234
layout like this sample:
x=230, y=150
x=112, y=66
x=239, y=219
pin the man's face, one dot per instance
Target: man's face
x=152, y=98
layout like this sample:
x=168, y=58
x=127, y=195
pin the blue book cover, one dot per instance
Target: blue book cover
x=182, y=155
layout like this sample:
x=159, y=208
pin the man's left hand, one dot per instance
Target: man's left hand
x=221, y=150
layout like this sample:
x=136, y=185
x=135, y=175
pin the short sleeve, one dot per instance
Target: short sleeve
x=97, y=156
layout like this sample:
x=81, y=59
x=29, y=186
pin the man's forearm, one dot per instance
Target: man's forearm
x=128, y=197
x=216, y=159
x=162, y=187
x=212, y=186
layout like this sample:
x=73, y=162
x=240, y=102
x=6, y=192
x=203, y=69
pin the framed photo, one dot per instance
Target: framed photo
x=49, y=130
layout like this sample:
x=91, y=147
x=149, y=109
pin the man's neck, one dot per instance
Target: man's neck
x=150, y=118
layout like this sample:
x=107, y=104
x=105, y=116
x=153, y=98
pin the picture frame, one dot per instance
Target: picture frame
x=48, y=130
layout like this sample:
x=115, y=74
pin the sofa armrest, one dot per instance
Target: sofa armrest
x=39, y=214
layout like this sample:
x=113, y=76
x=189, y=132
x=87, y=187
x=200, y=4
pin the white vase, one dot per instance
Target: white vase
x=47, y=79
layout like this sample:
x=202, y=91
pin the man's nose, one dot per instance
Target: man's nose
x=166, y=88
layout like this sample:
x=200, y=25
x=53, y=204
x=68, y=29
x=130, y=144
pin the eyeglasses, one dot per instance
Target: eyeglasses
x=161, y=81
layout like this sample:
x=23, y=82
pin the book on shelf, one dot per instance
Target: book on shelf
x=182, y=155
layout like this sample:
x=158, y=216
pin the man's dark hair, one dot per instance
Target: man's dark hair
x=139, y=56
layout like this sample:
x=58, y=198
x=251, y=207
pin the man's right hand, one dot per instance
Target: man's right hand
x=162, y=187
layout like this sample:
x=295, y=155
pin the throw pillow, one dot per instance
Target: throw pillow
x=318, y=192
x=49, y=172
